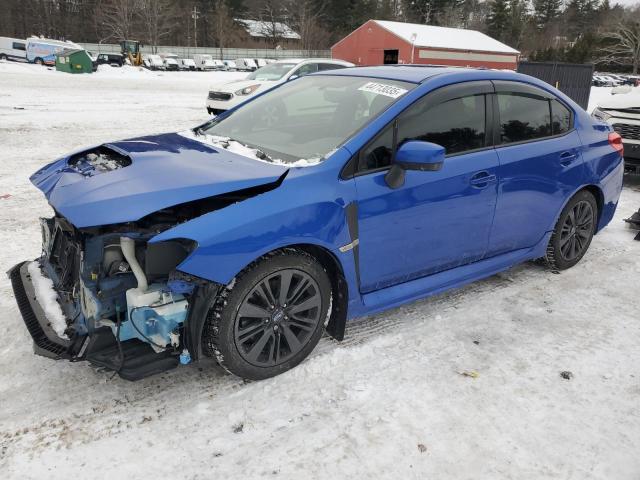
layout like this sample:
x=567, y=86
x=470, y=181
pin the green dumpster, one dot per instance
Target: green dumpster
x=74, y=61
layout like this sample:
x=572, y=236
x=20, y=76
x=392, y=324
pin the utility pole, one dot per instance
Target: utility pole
x=195, y=15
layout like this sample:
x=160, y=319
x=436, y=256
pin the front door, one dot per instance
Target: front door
x=437, y=220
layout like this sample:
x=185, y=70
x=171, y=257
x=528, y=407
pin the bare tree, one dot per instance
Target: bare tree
x=225, y=30
x=272, y=16
x=159, y=19
x=307, y=16
x=623, y=43
x=118, y=18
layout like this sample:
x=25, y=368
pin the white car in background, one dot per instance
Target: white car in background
x=204, y=62
x=622, y=111
x=230, y=65
x=187, y=64
x=219, y=65
x=154, y=62
x=170, y=61
x=246, y=64
x=13, y=49
x=227, y=95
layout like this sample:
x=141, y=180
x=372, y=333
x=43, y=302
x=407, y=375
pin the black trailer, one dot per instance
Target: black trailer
x=572, y=79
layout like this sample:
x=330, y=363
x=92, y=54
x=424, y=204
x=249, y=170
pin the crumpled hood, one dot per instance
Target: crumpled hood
x=622, y=100
x=133, y=178
x=235, y=85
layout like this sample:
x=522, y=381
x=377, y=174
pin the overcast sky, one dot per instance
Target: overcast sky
x=626, y=3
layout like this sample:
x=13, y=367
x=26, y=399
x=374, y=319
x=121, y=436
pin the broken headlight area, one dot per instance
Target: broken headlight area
x=124, y=303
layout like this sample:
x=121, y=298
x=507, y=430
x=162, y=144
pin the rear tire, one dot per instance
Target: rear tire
x=3, y=56
x=573, y=232
x=271, y=318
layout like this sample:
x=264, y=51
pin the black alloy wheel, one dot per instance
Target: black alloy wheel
x=271, y=317
x=278, y=317
x=576, y=231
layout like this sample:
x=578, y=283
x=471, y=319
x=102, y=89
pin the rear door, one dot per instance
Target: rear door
x=540, y=164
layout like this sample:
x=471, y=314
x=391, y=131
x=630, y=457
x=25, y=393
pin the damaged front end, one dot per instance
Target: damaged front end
x=104, y=290
x=124, y=305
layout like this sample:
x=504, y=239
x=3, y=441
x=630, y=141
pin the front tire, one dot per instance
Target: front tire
x=573, y=232
x=272, y=317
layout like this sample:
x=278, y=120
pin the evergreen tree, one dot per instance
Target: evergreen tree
x=499, y=18
x=545, y=12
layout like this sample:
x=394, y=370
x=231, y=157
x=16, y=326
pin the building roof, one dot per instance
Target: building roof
x=445, y=37
x=258, y=28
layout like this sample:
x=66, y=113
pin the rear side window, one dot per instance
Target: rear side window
x=329, y=66
x=19, y=46
x=523, y=117
x=458, y=125
x=560, y=118
x=306, y=69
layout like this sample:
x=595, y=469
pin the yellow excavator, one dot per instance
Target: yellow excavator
x=131, y=50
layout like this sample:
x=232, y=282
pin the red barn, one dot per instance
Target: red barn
x=380, y=42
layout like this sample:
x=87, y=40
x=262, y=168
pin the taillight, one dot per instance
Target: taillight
x=615, y=140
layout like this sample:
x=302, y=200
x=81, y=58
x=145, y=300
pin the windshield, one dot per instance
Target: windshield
x=305, y=120
x=272, y=72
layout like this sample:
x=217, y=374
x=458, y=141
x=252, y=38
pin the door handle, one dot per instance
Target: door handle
x=482, y=179
x=567, y=158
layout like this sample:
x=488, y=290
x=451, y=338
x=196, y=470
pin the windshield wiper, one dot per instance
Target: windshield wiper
x=263, y=156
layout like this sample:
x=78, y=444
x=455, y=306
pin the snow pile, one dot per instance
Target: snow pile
x=48, y=299
x=238, y=148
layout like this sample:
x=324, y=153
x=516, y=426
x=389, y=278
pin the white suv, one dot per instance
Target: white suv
x=227, y=95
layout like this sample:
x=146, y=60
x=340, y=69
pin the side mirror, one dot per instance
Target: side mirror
x=414, y=155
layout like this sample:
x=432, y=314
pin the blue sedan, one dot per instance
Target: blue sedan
x=333, y=196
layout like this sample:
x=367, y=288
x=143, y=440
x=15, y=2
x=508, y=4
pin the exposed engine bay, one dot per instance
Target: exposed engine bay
x=121, y=296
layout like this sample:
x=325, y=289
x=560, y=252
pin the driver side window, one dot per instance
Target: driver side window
x=458, y=125
x=306, y=69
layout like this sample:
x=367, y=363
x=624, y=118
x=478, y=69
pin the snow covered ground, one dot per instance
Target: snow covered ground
x=464, y=385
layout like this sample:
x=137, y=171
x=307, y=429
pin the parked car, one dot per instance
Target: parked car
x=42, y=51
x=170, y=61
x=243, y=238
x=154, y=62
x=219, y=65
x=13, y=49
x=230, y=65
x=622, y=112
x=187, y=64
x=204, y=62
x=246, y=64
x=227, y=95
x=113, y=59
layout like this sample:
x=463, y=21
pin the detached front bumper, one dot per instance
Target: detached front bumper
x=45, y=340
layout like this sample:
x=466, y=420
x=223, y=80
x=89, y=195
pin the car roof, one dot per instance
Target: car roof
x=420, y=73
x=302, y=60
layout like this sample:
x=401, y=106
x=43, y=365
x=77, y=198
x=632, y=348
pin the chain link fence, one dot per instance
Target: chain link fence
x=216, y=53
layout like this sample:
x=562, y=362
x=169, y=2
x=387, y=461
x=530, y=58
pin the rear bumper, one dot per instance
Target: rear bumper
x=631, y=157
x=45, y=340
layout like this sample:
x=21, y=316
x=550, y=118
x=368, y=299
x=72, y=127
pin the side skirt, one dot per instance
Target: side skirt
x=397, y=295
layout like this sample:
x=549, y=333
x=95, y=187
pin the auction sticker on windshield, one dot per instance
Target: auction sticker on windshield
x=383, y=89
